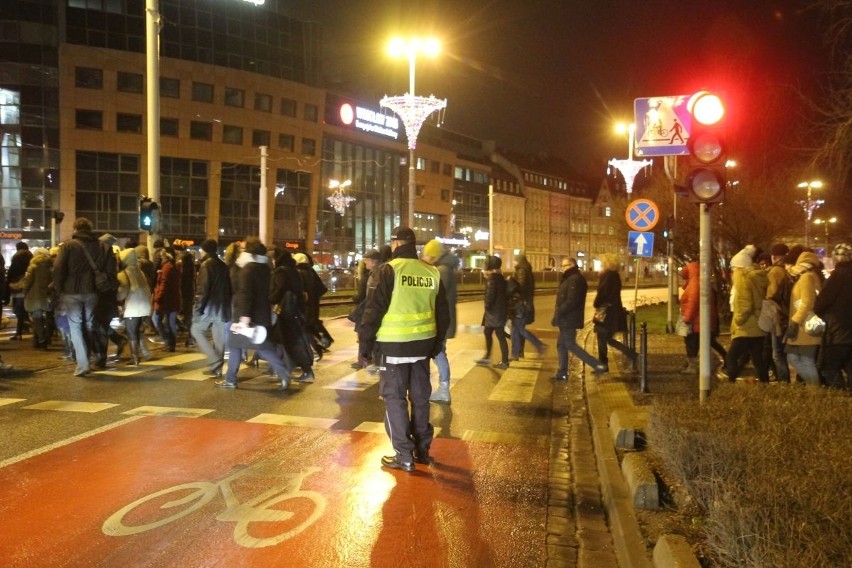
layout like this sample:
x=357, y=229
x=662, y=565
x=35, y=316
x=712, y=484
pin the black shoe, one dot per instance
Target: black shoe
x=306, y=377
x=600, y=370
x=393, y=462
x=500, y=365
x=215, y=372
x=559, y=377
x=285, y=383
x=224, y=384
x=422, y=456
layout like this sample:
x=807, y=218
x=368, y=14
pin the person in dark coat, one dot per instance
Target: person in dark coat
x=212, y=307
x=251, y=308
x=314, y=289
x=74, y=284
x=496, y=312
x=834, y=306
x=186, y=260
x=569, y=316
x=287, y=297
x=608, y=298
x=105, y=311
x=365, y=268
x=17, y=269
x=521, y=292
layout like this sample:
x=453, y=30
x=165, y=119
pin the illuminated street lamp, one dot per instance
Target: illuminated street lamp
x=825, y=223
x=810, y=205
x=629, y=168
x=338, y=200
x=411, y=109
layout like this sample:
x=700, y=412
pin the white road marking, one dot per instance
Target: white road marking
x=169, y=411
x=71, y=406
x=285, y=420
x=517, y=383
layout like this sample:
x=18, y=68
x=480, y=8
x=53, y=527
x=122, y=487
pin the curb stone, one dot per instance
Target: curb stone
x=641, y=481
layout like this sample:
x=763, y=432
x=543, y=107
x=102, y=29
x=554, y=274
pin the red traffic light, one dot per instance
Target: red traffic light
x=706, y=108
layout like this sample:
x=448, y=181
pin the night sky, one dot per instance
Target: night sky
x=554, y=76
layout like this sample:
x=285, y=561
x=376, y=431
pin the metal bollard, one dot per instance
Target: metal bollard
x=631, y=330
x=643, y=358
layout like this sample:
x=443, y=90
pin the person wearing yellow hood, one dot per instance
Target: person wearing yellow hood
x=802, y=347
x=747, y=294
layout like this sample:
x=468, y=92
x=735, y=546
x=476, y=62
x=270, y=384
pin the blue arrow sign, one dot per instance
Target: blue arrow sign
x=640, y=243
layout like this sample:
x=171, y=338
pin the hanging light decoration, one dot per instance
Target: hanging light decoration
x=339, y=200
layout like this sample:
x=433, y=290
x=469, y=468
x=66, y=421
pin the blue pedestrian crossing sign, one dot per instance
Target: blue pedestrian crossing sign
x=662, y=125
x=640, y=243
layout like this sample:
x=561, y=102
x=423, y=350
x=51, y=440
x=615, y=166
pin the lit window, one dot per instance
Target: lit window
x=235, y=97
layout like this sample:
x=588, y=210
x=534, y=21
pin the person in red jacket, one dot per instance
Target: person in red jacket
x=167, y=300
x=689, y=313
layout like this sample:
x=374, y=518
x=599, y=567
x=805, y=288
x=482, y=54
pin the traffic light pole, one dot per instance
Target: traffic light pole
x=704, y=313
x=152, y=69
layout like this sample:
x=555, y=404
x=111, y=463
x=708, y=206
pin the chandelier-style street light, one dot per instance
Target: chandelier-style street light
x=810, y=205
x=338, y=199
x=413, y=110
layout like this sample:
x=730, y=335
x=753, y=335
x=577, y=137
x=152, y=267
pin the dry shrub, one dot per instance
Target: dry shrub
x=769, y=467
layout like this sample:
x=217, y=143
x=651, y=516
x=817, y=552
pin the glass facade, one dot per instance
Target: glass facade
x=183, y=196
x=292, y=205
x=108, y=190
x=239, y=201
x=377, y=188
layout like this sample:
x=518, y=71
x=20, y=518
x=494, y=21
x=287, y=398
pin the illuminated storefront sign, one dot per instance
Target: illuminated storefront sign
x=369, y=120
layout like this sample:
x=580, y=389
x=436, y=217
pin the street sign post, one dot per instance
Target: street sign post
x=642, y=215
x=640, y=243
x=662, y=125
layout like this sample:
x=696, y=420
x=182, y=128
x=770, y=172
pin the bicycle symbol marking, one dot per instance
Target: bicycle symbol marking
x=260, y=509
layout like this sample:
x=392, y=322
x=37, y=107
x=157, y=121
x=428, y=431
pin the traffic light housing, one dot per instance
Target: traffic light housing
x=147, y=209
x=708, y=153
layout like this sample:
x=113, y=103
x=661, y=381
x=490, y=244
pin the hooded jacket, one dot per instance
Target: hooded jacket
x=72, y=273
x=133, y=286
x=609, y=296
x=690, y=300
x=36, y=282
x=447, y=264
x=522, y=290
x=834, y=305
x=214, y=288
x=749, y=290
x=803, y=296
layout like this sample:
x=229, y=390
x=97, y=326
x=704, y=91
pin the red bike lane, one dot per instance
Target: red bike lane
x=162, y=491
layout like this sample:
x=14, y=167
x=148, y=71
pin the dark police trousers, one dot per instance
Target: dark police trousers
x=408, y=431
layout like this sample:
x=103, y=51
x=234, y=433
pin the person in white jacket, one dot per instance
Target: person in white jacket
x=133, y=290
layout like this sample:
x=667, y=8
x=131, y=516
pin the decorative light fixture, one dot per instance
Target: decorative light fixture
x=629, y=169
x=339, y=200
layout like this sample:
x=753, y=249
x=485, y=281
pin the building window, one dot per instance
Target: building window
x=129, y=82
x=170, y=88
x=286, y=142
x=448, y=169
x=184, y=188
x=311, y=112
x=445, y=195
x=201, y=130
x=169, y=127
x=89, y=78
x=128, y=123
x=238, y=200
x=607, y=211
x=309, y=146
x=435, y=167
x=235, y=97
x=108, y=188
x=260, y=138
x=202, y=92
x=232, y=134
x=90, y=119
x=421, y=164
x=263, y=102
x=288, y=107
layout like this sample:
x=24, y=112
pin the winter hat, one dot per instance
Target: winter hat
x=793, y=254
x=372, y=255
x=40, y=250
x=403, y=234
x=842, y=253
x=210, y=246
x=433, y=249
x=493, y=262
x=743, y=259
x=301, y=258
x=779, y=249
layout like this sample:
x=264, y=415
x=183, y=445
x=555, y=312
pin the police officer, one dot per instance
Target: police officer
x=407, y=316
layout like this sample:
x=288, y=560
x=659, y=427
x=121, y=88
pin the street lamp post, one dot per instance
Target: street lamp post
x=825, y=223
x=810, y=205
x=412, y=109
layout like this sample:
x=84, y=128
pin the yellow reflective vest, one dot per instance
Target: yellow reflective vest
x=411, y=313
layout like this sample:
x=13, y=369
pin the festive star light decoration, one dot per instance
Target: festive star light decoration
x=413, y=111
x=809, y=206
x=629, y=169
x=340, y=201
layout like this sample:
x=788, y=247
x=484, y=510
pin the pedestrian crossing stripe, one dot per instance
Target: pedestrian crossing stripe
x=71, y=406
x=379, y=428
x=505, y=438
x=4, y=401
x=123, y=372
x=175, y=360
x=168, y=411
x=517, y=383
x=290, y=420
x=193, y=375
x=360, y=380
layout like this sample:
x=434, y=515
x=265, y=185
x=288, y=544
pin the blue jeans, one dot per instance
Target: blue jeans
x=443, y=365
x=806, y=369
x=80, y=309
x=268, y=354
x=166, y=324
x=519, y=330
x=200, y=324
x=567, y=343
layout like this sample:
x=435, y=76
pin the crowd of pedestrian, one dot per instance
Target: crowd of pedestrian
x=787, y=315
x=78, y=290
